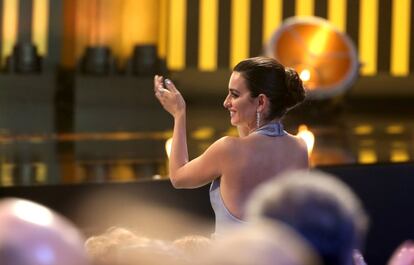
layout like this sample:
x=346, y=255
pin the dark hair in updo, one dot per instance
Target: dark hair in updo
x=280, y=84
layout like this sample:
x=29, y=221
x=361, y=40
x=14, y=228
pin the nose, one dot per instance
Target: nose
x=226, y=102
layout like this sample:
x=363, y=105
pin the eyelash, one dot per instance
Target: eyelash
x=234, y=95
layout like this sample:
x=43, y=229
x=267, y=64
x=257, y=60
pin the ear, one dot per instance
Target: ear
x=263, y=102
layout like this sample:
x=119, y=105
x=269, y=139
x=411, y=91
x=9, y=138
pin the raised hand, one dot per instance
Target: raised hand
x=169, y=97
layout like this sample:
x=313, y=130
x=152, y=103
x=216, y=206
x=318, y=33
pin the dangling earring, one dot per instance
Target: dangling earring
x=257, y=119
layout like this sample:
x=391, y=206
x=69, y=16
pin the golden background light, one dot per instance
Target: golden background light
x=324, y=57
x=307, y=136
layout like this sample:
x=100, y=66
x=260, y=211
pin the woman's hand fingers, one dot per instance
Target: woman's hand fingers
x=157, y=82
x=168, y=95
x=170, y=86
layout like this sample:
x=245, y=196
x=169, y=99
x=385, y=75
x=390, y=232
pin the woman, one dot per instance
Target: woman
x=260, y=92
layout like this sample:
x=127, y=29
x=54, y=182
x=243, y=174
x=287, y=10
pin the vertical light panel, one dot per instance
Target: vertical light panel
x=272, y=17
x=400, y=37
x=9, y=38
x=304, y=7
x=240, y=28
x=208, y=35
x=368, y=36
x=40, y=25
x=337, y=14
x=176, y=34
x=162, y=29
x=83, y=16
x=140, y=24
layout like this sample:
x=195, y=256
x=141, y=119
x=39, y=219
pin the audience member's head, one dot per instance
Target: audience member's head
x=320, y=207
x=403, y=255
x=121, y=246
x=31, y=234
x=260, y=244
x=193, y=245
x=103, y=248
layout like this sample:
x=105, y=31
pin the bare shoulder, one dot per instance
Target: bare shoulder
x=227, y=142
x=226, y=145
x=298, y=144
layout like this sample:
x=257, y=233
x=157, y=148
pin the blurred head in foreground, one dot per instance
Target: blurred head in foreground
x=319, y=207
x=260, y=244
x=120, y=246
x=31, y=234
x=193, y=245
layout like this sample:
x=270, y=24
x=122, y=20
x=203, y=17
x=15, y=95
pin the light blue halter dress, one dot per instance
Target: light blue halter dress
x=224, y=218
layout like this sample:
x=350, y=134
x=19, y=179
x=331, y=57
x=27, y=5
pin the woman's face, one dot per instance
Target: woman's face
x=241, y=105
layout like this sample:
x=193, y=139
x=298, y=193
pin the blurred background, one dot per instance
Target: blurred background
x=78, y=114
x=76, y=101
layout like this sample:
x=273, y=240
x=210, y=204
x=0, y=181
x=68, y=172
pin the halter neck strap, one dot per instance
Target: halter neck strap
x=272, y=129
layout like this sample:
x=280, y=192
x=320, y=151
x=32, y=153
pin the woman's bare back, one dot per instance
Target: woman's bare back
x=255, y=159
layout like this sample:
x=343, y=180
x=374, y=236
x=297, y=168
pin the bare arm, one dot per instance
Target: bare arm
x=185, y=174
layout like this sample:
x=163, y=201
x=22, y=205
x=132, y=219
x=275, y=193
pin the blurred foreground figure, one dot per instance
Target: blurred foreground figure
x=31, y=234
x=260, y=244
x=120, y=246
x=403, y=255
x=320, y=207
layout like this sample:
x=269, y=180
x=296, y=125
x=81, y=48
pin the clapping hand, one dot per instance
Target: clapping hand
x=168, y=95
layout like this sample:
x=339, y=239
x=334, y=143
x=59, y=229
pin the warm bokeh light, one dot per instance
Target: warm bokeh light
x=395, y=129
x=307, y=136
x=203, y=133
x=33, y=213
x=168, y=145
x=319, y=40
x=305, y=75
x=367, y=156
x=325, y=57
x=363, y=129
x=399, y=155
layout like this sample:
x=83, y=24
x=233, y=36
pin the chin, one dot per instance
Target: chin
x=234, y=123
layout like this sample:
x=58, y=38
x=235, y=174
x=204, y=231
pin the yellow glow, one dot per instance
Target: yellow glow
x=368, y=32
x=399, y=155
x=232, y=131
x=363, y=129
x=203, y=133
x=337, y=14
x=40, y=172
x=122, y=172
x=305, y=75
x=168, y=145
x=7, y=174
x=367, y=156
x=319, y=41
x=307, y=136
x=33, y=213
x=272, y=17
x=140, y=24
x=176, y=35
x=162, y=29
x=304, y=7
x=400, y=37
x=395, y=129
x=10, y=11
x=208, y=35
x=40, y=26
x=240, y=28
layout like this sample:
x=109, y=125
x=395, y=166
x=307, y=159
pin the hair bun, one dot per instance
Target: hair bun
x=295, y=90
